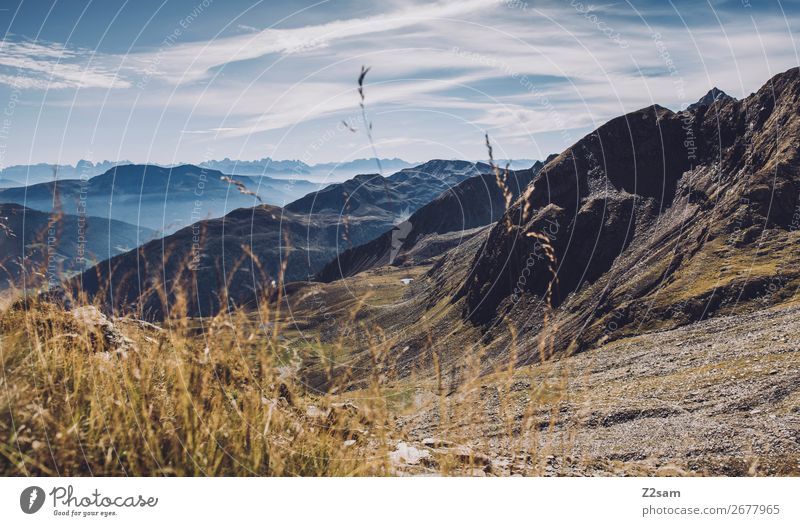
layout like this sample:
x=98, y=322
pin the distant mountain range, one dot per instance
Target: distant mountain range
x=25, y=175
x=162, y=199
x=28, y=174
x=231, y=260
x=41, y=247
x=326, y=172
x=330, y=171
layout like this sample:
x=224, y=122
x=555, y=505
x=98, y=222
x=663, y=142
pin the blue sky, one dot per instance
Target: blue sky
x=190, y=80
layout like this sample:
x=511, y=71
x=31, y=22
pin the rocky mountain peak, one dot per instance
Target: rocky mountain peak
x=642, y=213
x=714, y=95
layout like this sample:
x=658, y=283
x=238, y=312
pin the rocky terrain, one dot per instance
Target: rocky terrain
x=654, y=221
x=719, y=397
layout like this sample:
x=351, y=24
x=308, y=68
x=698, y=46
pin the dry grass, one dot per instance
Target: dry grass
x=226, y=400
x=172, y=404
x=227, y=397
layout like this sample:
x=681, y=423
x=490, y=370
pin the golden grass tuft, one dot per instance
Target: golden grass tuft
x=176, y=405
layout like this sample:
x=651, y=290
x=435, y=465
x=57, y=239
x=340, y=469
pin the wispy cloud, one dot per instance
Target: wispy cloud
x=192, y=61
x=479, y=64
x=44, y=65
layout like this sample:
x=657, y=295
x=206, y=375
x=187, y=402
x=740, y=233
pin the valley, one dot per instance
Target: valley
x=627, y=307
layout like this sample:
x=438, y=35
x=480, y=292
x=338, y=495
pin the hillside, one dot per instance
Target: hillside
x=664, y=238
x=399, y=194
x=474, y=202
x=237, y=257
x=36, y=247
x=645, y=231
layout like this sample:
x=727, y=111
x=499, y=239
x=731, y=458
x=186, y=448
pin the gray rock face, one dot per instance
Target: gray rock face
x=95, y=321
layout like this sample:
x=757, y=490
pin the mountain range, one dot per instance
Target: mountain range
x=157, y=198
x=293, y=168
x=28, y=174
x=37, y=247
x=235, y=258
x=474, y=202
x=655, y=220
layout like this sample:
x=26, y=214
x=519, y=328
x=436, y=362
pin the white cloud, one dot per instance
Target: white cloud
x=192, y=61
x=516, y=72
x=42, y=65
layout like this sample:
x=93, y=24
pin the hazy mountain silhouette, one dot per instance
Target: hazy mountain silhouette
x=36, y=247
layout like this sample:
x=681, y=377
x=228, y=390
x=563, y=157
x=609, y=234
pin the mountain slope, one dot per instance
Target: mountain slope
x=474, y=202
x=653, y=221
x=399, y=194
x=661, y=219
x=37, y=246
x=237, y=257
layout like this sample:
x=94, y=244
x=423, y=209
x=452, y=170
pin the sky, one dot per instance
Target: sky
x=168, y=81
